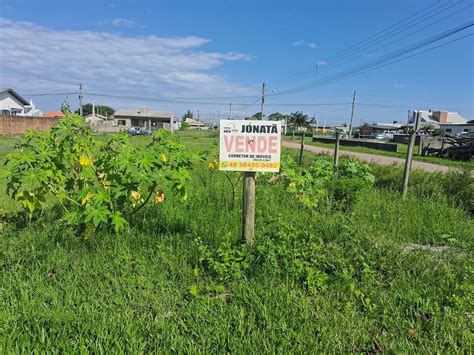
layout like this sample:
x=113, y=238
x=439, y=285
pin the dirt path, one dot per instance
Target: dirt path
x=372, y=158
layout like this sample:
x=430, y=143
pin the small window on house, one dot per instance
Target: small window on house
x=467, y=130
x=448, y=130
x=121, y=123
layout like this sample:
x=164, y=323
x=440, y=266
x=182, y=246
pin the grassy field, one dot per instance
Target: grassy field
x=402, y=151
x=395, y=275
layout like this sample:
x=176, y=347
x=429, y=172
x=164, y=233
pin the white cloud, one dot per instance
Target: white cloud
x=122, y=22
x=41, y=60
x=322, y=62
x=303, y=43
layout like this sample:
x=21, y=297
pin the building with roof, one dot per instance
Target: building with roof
x=435, y=118
x=11, y=103
x=371, y=130
x=145, y=119
x=54, y=114
x=194, y=124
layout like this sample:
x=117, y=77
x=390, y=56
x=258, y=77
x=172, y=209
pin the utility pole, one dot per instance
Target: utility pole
x=408, y=120
x=411, y=146
x=352, y=114
x=80, y=99
x=230, y=111
x=300, y=161
x=336, y=148
x=248, y=199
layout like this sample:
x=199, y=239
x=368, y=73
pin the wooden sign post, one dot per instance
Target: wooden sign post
x=249, y=146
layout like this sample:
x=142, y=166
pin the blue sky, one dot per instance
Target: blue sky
x=213, y=49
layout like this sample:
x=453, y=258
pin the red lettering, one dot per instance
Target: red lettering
x=229, y=141
x=261, y=144
x=272, y=145
x=239, y=144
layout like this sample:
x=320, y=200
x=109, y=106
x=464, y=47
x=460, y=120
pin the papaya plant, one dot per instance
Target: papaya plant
x=98, y=185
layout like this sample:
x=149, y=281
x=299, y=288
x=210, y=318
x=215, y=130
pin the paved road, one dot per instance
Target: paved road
x=372, y=158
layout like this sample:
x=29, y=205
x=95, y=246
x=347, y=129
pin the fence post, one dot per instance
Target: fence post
x=248, y=208
x=336, y=149
x=408, y=160
x=302, y=148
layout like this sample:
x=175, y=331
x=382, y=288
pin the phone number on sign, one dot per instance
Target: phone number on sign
x=255, y=165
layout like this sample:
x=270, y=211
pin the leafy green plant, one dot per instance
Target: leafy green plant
x=227, y=262
x=97, y=185
x=319, y=183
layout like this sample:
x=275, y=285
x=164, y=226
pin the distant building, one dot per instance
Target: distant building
x=370, y=130
x=459, y=129
x=94, y=118
x=54, y=114
x=195, y=124
x=435, y=118
x=145, y=119
x=11, y=103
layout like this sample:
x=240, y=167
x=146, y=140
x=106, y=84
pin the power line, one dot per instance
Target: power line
x=348, y=55
x=378, y=62
x=311, y=68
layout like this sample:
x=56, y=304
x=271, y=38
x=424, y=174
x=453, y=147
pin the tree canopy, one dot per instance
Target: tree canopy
x=277, y=116
x=188, y=114
x=99, y=109
x=298, y=119
x=257, y=116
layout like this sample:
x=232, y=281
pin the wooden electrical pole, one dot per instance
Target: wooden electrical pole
x=352, y=114
x=248, y=201
x=409, y=158
x=80, y=100
x=336, y=149
x=300, y=161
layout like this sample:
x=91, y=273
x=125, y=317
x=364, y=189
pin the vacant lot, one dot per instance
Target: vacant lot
x=375, y=273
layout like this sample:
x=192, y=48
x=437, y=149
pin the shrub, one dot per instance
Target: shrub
x=320, y=183
x=97, y=185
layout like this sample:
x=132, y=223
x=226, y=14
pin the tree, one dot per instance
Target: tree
x=298, y=119
x=277, y=116
x=257, y=116
x=65, y=107
x=99, y=109
x=188, y=114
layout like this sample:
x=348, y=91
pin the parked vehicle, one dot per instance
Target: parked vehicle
x=381, y=136
x=137, y=131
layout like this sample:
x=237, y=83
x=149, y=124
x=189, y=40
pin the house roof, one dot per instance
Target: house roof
x=143, y=112
x=192, y=121
x=54, y=114
x=15, y=94
x=452, y=117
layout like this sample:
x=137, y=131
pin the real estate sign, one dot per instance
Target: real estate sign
x=250, y=145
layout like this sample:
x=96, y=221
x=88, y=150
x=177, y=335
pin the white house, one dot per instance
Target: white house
x=459, y=129
x=195, y=124
x=436, y=118
x=94, y=118
x=144, y=118
x=11, y=103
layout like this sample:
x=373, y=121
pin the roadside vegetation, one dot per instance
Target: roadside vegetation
x=402, y=151
x=341, y=262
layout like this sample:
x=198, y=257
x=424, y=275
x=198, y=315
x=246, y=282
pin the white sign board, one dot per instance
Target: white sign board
x=250, y=145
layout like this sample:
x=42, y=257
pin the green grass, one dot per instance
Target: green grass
x=402, y=151
x=131, y=293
